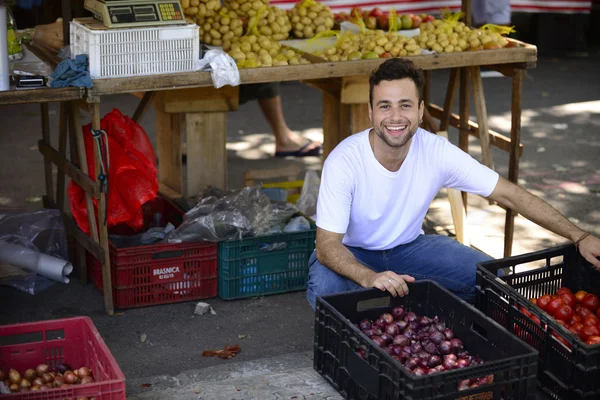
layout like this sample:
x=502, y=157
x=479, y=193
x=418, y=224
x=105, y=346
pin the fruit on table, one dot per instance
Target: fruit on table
x=407, y=22
x=444, y=37
x=261, y=51
x=42, y=379
x=371, y=44
x=273, y=22
x=246, y=8
x=309, y=18
x=224, y=26
x=194, y=9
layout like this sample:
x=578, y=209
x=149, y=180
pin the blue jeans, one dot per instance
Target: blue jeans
x=434, y=257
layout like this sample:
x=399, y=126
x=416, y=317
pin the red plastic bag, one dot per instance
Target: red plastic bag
x=132, y=174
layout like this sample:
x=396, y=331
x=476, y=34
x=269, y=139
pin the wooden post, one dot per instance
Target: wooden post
x=449, y=100
x=168, y=149
x=336, y=122
x=466, y=8
x=62, y=150
x=102, y=215
x=143, y=106
x=481, y=113
x=513, y=164
x=206, y=151
x=360, y=118
x=47, y=163
x=67, y=14
x=463, y=131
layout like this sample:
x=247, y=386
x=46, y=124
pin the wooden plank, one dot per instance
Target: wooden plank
x=83, y=165
x=359, y=118
x=426, y=88
x=509, y=70
x=82, y=238
x=429, y=122
x=43, y=95
x=355, y=90
x=513, y=163
x=67, y=15
x=330, y=86
x=457, y=209
x=202, y=99
x=47, y=54
x=336, y=122
x=255, y=176
x=463, y=100
x=496, y=139
x=526, y=54
x=449, y=100
x=168, y=149
x=206, y=151
x=167, y=192
x=102, y=215
x=467, y=9
x=70, y=169
x=481, y=113
x=62, y=151
x=143, y=106
x=47, y=162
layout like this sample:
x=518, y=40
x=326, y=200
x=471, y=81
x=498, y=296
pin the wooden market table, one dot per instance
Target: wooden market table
x=189, y=100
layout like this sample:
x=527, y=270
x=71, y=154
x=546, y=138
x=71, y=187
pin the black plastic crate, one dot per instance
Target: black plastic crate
x=512, y=362
x=570, y=371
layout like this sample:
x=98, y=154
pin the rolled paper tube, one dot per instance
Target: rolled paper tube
x=48, y=266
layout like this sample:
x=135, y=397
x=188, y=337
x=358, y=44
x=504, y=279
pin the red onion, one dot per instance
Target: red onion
x=489, y=379
x=411, y=363
x=462, y=363
x=437, y=337
x=440, y=326
x=449, y=363
x=362, y=353
x=419, y=371
x=398, y=312
x=423, y=354
x=401, y=340
x=365, y=324
x=439, y=368
x=464, y=385
x=377, y=330
x=387, y=338
x=410, y=316
x=369, y=332
x=457, y=345
x=432, y=371
x=407, y=349
x=397, y=350
x=414, y=325
x=425, y=342
x=389, y=349
x=425, y=321
x=431, y=348
x=410, y=333
x=449, y=334
x=392, y=329
x=388, y=318
x=378, y=340
x=416, y=347
x=423, y=334
x=381, y=323
x=464, y=354
x=450, y=356
x=402, y=325
x=404, y=355
x=422, y=363
x=445, y=347
x=397, y=358
x=434, y=361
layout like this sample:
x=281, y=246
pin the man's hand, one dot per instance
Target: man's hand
x=590, y=250
x=390, y=281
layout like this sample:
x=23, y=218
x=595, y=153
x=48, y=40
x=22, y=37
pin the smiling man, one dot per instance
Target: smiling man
x=377, y=186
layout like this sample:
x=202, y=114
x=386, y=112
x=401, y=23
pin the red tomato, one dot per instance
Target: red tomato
x=563, y=323
x=560, y=339
x=591, y=320
x=554, y=305
x=574, y=331
x=564, y=313
x=591, y=301
x=584, y=312
x=568, y=298
x=577, y=307
x=580, y=295
x=542, y=301
x=563, y=290
x=536, y=320
x=588, y=331
x=593, y=340
x=577, y=327
x=576, y=318
x=525, y=312
x=533, y=300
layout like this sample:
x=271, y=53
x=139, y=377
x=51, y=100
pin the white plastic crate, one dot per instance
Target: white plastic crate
x=136, y=51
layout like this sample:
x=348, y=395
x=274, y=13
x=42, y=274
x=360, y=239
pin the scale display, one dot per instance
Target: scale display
x=133, y=13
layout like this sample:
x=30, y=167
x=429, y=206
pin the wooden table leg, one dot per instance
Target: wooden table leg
x=62, y=150
x=102, y=215
x=513, y=165
x=463, y=131
x=336, y=122
x=206, y=151
x=143, y=106
x=47, y=163
x=168, y=149
x=359, y=118
x=481, y=113
x=449, y=100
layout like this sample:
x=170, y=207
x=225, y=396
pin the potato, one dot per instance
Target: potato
x=266, y=51
x=222, y=27
x=309, y=18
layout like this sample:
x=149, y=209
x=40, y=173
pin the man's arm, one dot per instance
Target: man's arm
x=333, y=254
x=543, y=214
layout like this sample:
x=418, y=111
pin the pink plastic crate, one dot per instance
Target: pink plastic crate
x=74, y=341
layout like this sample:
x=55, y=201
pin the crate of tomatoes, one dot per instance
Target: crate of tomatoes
x=556, y=309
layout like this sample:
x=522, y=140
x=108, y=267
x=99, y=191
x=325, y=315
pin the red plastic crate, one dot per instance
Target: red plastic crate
x=74, y=341
x=158, y=273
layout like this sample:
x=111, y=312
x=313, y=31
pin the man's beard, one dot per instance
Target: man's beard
x=391, y=141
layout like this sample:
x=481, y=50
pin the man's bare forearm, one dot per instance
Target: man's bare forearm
x=334, y=255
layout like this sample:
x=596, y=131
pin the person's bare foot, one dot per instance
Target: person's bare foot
x=294, y=144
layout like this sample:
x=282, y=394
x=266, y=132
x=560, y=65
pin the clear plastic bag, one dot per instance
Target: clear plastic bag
x=33, y=250
x=231, y=215
x=307, y=202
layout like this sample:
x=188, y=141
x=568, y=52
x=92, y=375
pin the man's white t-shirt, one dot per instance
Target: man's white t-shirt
x=378, y=209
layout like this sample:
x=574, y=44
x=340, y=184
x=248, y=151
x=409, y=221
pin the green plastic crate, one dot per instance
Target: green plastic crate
x=252, y=267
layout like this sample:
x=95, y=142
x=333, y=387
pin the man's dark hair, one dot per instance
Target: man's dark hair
x=394, y=69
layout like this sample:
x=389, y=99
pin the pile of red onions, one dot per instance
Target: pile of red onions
x=421, y=344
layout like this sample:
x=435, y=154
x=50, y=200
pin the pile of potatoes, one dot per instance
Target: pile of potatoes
x=224, y=26
x=246, y=8
x=370, y=44
x=442, y=37
x=309, y=18
x=261, y=51
x=273, y=22
x=196, y=9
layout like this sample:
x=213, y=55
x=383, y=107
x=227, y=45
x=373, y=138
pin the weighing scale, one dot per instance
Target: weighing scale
x=136, y=13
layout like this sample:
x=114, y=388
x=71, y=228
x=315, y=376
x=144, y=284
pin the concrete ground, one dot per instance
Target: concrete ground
x=561, y=135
